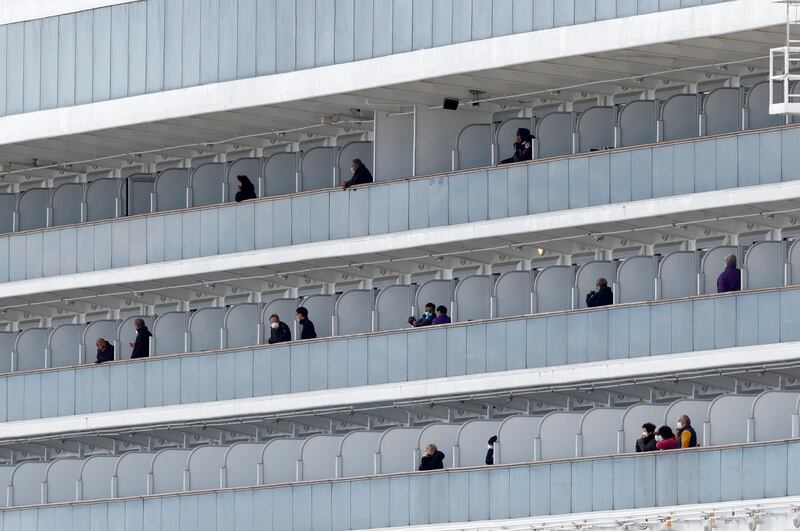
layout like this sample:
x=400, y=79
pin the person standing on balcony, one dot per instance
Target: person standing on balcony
x=105, y=351
x=441, y=316
x=141, y=346
x=647, y=442
x=687, y=437
x=602, y=297
x=432, y=460
x=731, y=277
x=307, y=330
x=523, y=147
x=278, y=330
x=426, y=319
x=361, y=175
x=665, y=439
x=245, y=189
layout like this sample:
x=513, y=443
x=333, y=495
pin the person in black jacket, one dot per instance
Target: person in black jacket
x=602, y=297
x=490, y=452
x=307, y=330
x=432, y=460
x=278, y=330
x=523, y=147
x=141, y=347
x=426, y=319
x=105, y=351
x=647, y=442
x=245, y=189
x=361, y=174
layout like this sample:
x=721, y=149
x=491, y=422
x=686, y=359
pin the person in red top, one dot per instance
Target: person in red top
x=665, y=439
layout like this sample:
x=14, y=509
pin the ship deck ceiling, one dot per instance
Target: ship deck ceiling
x=630, y=70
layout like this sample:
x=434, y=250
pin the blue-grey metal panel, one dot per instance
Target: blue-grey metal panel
x=155, y=44
x=227, y=40
x=190, y=44
x=101, y=61
x=285, y=36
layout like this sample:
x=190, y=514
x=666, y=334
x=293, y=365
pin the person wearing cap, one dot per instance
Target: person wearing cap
x=523, y=147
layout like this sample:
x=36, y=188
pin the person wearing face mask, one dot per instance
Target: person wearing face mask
x=523, y=147
x=278, y=330
x=426, y=319
x=361, y=174
x=647, y=442
x=665, y=439
x=687, y=437
x=602, y=297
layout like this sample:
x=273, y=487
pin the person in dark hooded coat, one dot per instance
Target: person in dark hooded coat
x=523, y=147
x=245, y=189
x=361, y=174
x=141, y=347
x=432, y=460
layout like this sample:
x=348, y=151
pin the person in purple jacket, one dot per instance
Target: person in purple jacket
x=731, y=278
x=441, y=316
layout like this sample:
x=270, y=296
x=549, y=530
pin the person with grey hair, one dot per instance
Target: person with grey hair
x=105, y=351
x=141, y=346
x=731, y=277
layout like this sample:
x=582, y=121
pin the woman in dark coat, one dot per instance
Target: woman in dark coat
x=245, y=189
x=432, y=460
x=523, y=147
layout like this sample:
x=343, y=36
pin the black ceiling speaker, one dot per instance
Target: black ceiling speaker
x=450, y=104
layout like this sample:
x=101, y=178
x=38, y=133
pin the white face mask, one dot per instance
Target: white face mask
x=352, y=169
x=274, y=326
x=658, y=438
x=644, y=434
x=679, y=425
x=489, y=446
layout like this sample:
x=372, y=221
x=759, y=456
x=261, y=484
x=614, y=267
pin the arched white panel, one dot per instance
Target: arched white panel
x=557, y=433
x=136, y=191
x=248, y=166
x=357, y=450
x=279, y=173
x=32, y=208
x=772, y=415
x=506, y=134
x=637, y=121
x=168, y=466
x=205, y=326
x=712, y=264
x=284, y=308
x=131, y=470
x=586, y=278
x=240, y=464
x=66, y=201
x=320, y=311
x=280, y=460
x=636, y=279
x=723, y=110
x=169, y=329
x=444, y=436
x=727, y=416
x=596, y=128
x=27, y=482
x=516, y=437
x=170, y=189
x=61, y=477
x=597, y=433
x=30, y=348
x=473, y=296
x=65, y=343
x=513, y=291
x=794, y=263
x=207, y=182
x=677, y=274
x=103, y=328
x=354, y=311
x=204, y=466
x=393, y=304
x=317, y=166
x=318, y=457
x=127, y=334
x=680, y=115
x=474, y=144
x=554, y=133
x=241, y=323
x=100, y=199
x=553, y=289
x=96, y=474
x=396, y=449
x=758, y=106
x=765, y=264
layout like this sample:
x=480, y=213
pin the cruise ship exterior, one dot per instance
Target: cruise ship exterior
x=422, y=264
